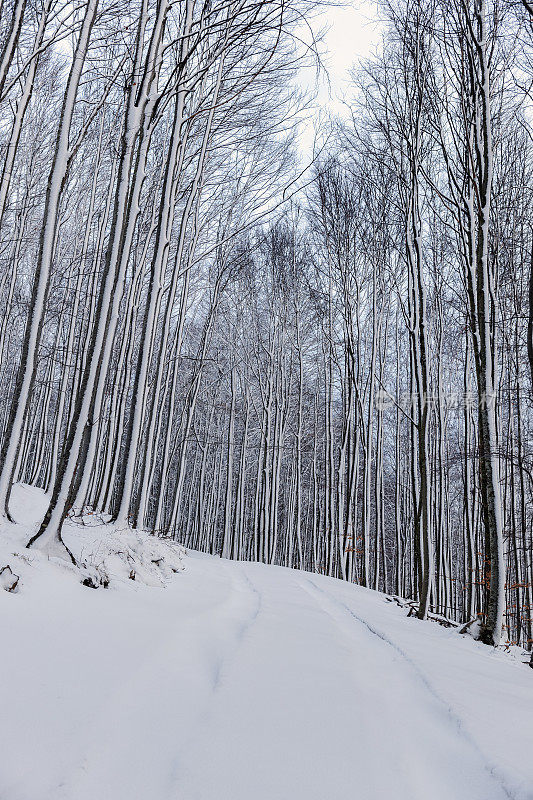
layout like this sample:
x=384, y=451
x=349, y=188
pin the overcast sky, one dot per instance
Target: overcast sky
x=352, y=34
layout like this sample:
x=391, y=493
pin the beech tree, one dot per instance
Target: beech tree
x=328, y=368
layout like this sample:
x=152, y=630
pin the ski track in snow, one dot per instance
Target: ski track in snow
x=241, y=682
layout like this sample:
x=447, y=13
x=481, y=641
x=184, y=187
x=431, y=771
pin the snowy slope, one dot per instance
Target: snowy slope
x=234, y=681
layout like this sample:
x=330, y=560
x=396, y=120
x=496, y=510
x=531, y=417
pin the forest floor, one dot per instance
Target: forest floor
x=205, y=679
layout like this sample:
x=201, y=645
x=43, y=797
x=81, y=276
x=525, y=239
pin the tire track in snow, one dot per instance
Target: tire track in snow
x=222, y=668
x=451, y=713
x=244, y=627
x=223, y=628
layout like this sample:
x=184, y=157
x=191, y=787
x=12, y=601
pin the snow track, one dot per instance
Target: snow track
x=246, y=682
x=465, y=777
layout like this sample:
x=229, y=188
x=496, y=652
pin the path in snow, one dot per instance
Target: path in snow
x=246, y=682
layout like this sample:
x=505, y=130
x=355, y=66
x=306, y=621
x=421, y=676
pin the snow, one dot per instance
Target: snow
x=233, y=681
x=8, y=579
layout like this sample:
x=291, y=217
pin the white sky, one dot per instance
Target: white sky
x=353, y=33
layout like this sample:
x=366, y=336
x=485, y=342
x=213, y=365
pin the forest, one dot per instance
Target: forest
x=321, y=362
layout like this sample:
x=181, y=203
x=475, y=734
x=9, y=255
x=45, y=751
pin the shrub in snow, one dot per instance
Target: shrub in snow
x=95, y=583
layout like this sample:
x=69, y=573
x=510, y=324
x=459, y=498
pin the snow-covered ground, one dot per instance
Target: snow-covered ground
x=235, y=681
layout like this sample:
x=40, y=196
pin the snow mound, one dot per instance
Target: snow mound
x=106, y=554
x=8, y=579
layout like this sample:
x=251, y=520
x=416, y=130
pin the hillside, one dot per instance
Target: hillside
x=206, y=679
